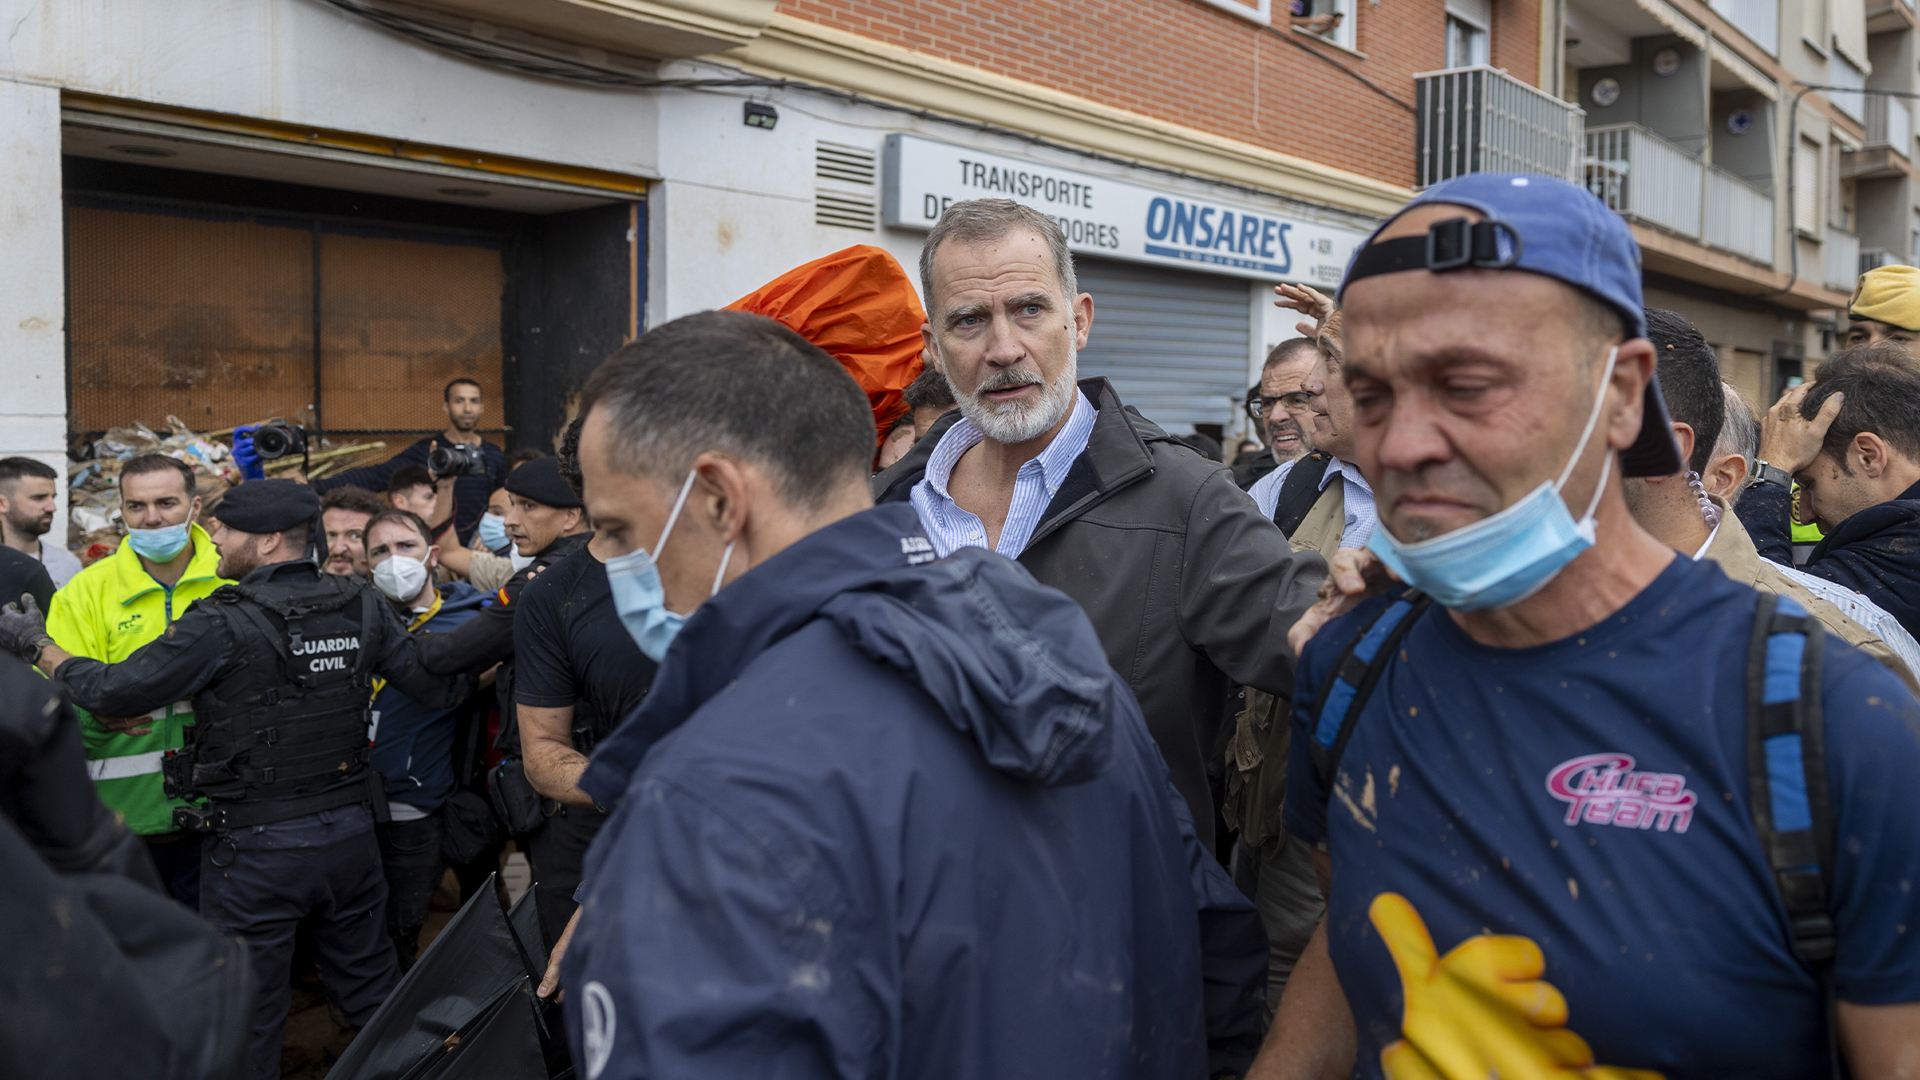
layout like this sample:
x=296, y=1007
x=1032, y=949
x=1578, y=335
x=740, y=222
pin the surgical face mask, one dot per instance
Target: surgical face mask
x=1503, y=559
x=641, y=598
x=161, y=544
x=520, y=562
x=493, y=532
x=400, y=578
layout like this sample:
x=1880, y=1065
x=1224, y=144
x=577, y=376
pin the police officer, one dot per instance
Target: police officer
x=279, y=668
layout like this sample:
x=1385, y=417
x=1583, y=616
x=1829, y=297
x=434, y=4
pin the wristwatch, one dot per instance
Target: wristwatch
x=1764, y=473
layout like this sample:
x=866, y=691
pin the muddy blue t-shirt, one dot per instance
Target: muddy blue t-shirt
x=1545, y=854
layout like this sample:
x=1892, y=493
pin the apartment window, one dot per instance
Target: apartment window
x=1468, y=23
x=1814, y=22
x=1330, y=19
x=1809, y=161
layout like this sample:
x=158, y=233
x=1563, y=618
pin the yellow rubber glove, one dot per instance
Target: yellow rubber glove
x=1479, y=1011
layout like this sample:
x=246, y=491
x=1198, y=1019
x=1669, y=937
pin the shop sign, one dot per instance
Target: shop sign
x=1115, y=218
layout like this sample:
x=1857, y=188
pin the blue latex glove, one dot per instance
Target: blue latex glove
x=243, y=455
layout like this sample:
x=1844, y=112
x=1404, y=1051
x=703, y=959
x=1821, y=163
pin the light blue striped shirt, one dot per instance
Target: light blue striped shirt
x=952, y=528
x=1362, y=516
x=1875, y=618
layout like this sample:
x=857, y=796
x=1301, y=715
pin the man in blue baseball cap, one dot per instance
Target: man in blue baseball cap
x=1587, y=808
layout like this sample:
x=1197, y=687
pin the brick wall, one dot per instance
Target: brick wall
x=1189, y=63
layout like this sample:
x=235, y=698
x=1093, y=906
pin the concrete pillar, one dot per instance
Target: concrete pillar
x=33, y=332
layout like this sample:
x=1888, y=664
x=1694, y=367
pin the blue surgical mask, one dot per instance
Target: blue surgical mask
x=1505, y=558
x=161, y=544
x=493, y=532
x=641, y=598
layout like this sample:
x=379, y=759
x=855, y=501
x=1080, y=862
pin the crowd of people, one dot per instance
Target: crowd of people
x=1483, y=719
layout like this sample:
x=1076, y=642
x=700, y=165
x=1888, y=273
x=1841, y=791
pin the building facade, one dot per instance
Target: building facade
x=325, y=209
x=1761, y=171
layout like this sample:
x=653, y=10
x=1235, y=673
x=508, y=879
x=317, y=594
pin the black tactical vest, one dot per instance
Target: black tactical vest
x=286, y=735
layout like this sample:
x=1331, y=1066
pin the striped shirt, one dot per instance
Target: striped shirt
x=952, y=528
x=1863, y=611
x=1362, y=517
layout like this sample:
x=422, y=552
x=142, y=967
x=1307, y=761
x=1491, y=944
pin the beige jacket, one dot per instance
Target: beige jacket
x=1257, y=756
x=1323, y=526
x=1732, y=549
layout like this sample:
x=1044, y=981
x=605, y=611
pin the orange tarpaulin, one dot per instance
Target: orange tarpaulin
x=860, y=307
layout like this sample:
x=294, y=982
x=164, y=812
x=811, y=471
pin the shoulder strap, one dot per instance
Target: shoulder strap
x=1353, y=677
x=1299, y=491
x=370, y=623
x=1786, y=768
x=1787, y=783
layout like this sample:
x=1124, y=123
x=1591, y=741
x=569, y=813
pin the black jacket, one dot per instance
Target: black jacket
x=198, y=652
x=1248, y=470
x=487, y=638
x=102, y=974
x=1876, y=552
x=21, y=573
x=1189, y=587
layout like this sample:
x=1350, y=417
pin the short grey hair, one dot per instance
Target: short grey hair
x=982, y=221
x=1741, y=433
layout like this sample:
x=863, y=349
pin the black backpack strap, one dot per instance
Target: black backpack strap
x=1338, y=706
x=1787, y=783
x=1787, y=768
x=1300, y=490
x=370, y=619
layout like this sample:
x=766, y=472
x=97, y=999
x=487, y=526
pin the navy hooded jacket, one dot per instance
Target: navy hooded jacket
x=1872, y=552
x=413, y=743
x=879, y=819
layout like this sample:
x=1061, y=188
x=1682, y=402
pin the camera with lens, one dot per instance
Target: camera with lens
x=276, y=439
x=458, y=459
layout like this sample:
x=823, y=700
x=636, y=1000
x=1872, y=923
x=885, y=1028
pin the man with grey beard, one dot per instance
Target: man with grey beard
x=1190, y=588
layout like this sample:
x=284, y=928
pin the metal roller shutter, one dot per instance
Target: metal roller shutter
x=1174, y=343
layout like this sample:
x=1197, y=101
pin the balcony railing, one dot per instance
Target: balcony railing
x=1481, y=119
x=1642, y=176
x=1889, y=122
x=1841, y=253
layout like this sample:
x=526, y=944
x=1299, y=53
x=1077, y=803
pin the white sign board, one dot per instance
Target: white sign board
x=1117, y=219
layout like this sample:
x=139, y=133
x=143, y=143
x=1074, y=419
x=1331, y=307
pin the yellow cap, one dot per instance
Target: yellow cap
x=1889, y=294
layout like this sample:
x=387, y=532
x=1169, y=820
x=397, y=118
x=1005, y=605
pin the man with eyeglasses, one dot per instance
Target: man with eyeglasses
x=1301, y=496
x=1282, y=428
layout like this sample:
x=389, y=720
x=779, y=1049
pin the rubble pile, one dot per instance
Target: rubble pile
x=94, y=527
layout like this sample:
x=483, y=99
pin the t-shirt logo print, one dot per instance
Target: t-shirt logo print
x=1605, y=789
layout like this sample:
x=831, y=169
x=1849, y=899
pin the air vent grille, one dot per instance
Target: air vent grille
x=843, y=210
x=844, y=190
x=848, y=164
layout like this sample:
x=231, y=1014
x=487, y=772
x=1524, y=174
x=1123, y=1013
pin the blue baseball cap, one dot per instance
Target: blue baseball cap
x=1541, y=225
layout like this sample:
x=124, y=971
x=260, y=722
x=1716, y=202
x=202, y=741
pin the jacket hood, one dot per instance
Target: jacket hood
x=460, y=596
x=1008, y=662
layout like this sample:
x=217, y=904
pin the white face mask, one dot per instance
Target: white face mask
x=400, y=578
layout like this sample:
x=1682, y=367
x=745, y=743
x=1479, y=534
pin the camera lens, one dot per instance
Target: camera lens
x=440, y=461
x=272, y=442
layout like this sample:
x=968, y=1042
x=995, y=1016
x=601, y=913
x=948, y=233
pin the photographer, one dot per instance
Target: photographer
x=475, y=480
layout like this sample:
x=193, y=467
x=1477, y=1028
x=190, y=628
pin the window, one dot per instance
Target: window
x=1330, y=19
x=1813, y=23
x=1468, y=23
x=1466, y=44
x=1809, y=162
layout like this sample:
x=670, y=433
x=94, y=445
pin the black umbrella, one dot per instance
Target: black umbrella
x=468, y=967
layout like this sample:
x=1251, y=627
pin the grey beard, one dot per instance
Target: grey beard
x=1014, y=423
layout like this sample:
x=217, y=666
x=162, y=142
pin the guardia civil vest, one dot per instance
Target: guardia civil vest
x=286, y=735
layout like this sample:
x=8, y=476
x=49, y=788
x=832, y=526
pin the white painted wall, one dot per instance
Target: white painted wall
x=33, y=337
x=296, y=61
x=304, y=62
